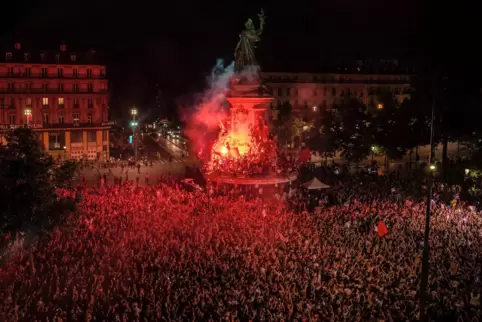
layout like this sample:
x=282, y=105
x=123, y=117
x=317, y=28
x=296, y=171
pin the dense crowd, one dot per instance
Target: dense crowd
x=162, y=253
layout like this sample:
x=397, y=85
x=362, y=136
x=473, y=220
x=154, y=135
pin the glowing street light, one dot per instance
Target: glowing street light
x=28, y=114
x=432, y=167
x=315, y=108
x=380, y=106
x=134, y=112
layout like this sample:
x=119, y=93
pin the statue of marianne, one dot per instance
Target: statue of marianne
x=244, y=52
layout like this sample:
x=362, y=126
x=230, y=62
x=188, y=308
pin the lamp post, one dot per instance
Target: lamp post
x=134, y=126
x=28, y=113
x=425, y=264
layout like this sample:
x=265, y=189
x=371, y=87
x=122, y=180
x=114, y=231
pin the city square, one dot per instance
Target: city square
x=151, y=180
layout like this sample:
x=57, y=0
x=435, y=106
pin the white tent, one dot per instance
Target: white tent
x=314, y=184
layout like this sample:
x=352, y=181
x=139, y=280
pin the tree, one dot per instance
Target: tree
x=390, y=121
x=352, y=129
x=282, y=123
x=27, y=188
x=324, y=138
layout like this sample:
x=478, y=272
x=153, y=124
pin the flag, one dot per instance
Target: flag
x=382, y=229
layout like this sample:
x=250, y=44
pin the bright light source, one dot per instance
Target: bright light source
x=315, y=108
x=432, y=167
x=224, y=150
x=134, y=111
x=380, y=106
x=27, y=112
x=373, y=148
x=467, y=171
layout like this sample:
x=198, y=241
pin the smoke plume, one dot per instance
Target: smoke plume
x=202, y=122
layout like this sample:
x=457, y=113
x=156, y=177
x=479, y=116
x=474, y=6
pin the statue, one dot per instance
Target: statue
x=244, y=52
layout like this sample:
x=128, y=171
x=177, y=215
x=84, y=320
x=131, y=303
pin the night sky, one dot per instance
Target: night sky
x=175, y=43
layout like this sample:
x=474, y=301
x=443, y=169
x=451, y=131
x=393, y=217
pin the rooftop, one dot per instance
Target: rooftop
x=18, y=54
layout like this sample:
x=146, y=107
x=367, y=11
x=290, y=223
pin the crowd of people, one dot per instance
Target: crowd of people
x=161, y=253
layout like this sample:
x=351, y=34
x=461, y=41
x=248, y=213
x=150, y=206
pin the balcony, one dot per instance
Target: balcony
x=55, y=126
x=53, y=76
x=50, y=91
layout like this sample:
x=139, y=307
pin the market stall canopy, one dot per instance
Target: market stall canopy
x=314, y=184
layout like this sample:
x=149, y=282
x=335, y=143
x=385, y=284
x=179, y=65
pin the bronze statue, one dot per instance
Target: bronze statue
x=244, y=52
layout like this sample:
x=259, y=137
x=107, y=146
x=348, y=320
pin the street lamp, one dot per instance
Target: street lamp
x=28, y=113
x=380, y=106
x=134, y=126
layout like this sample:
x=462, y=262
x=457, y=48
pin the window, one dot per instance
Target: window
x=287, y=92
x=11, y=86
x=26, y=56
x=102, y=72
x=75, y=117
x=89, y=88
x=61, y=117
x=46, y=118
x=57, y=58
x=279, y=92
x=42, y=57
x=333, y=91
x=8, y=56
x=28, y=101
x=44, y=72
x=45, y=101
x=11, y=118
x=2, y=102
x=90, y=104
x=76, y=72
x=60, y=72
x=45, y=86
x=76, y=102
x=89, y=118
x=76, y=87
x=60, y=100
x=61, y=87
x=73, y=58
x=56, y=141
x=10, y=71
x=28, y=71
x=89, y=73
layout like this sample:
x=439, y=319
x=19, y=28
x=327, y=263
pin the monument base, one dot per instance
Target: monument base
x=254, y=181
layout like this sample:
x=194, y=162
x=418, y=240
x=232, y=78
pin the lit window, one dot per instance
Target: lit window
x=61, y=100
x=29, y=101
x=45, y=101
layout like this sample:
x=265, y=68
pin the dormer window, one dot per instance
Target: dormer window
x=57, y=58
x=42, y=57
x=73, y=58
x=18, y=46
x=26, y=56
x=8, y=56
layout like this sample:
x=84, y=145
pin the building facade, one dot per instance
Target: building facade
x=63, y=96
x=324, y=90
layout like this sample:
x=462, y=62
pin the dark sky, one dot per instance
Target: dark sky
x=175, y=43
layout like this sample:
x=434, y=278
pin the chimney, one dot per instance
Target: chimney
x=18, y=46
x=63, y=48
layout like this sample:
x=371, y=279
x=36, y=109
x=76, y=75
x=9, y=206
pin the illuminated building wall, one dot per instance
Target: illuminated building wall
x=323, y=90
x=62, y=95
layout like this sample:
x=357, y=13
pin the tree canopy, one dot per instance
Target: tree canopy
x=28, y=182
